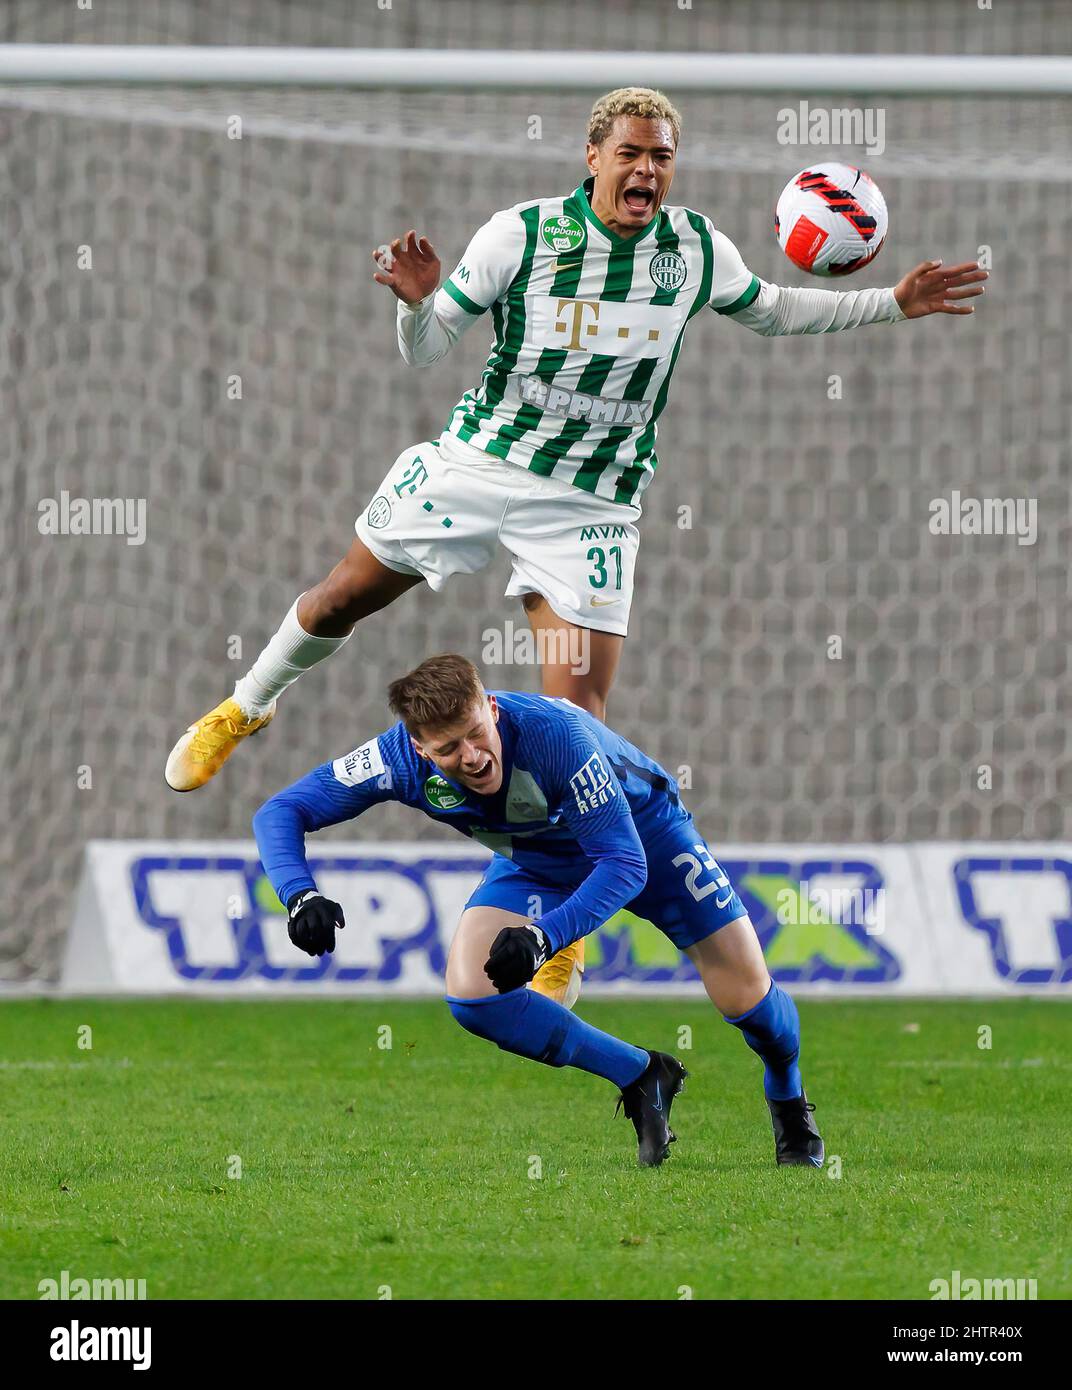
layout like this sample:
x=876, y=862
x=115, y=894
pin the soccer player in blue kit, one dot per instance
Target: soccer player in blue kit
x=582, y=823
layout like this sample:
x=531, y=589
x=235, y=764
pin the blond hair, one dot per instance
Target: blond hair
x=644, y=102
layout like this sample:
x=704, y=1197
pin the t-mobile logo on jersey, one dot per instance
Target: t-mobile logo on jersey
x=599, y=410
x=592, y=785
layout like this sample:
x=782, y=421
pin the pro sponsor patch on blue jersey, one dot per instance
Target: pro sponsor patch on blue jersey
x=360, y=765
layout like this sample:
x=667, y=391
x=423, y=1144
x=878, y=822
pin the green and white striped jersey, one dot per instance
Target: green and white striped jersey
x=588, y=327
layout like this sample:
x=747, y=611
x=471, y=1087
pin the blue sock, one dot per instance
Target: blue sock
x=772, y=1029
x=532, y=1025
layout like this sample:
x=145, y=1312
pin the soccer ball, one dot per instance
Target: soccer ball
x=831, y=219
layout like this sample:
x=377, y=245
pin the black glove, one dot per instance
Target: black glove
x=515, y=956
x=312, y=923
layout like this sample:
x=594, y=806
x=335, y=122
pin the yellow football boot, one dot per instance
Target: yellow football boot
x=206, y=745
x=560, y=978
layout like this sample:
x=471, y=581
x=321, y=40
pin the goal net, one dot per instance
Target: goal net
x=189, y=322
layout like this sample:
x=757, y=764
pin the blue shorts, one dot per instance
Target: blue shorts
x=687, y=895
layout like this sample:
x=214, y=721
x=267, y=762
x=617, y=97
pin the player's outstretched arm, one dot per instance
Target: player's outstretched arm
x=409, y=266
x=431, y=321
x=934, y=289
x=780, y=310
x=332, y=793
x=428, y=323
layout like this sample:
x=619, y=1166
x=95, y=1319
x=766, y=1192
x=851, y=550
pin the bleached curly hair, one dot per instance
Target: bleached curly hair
x=644, y=102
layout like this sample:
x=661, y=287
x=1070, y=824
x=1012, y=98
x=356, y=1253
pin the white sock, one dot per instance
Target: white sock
x=290, y=652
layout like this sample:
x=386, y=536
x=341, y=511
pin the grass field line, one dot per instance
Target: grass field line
x=162, y=1064
x=1005, y=1064
x=28, y=1064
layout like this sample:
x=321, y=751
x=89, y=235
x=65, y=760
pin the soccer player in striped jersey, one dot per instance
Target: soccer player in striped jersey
x=582, y=823
x=589, y=295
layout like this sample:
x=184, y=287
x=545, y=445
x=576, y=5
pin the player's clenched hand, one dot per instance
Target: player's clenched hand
x=933, y=289
x=515, y=956
x=409, y=265
x=313, y=920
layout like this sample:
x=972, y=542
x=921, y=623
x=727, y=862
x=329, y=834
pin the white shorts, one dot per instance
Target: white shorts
x=445, y=505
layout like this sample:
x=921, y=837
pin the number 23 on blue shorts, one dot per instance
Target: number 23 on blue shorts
x=688, y=895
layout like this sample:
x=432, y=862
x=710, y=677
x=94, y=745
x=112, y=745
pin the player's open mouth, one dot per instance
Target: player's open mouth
x=482, y=774
x=639, y=199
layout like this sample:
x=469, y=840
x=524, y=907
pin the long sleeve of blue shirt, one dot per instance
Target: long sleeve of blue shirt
x=595, y=808
x=314, y=801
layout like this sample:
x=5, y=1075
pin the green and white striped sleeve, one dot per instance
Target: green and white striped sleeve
x=783, y=310
x=428, y=330
x=733, y=286
x=776, y=311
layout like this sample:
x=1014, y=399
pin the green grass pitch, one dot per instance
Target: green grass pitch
x=413, y=1169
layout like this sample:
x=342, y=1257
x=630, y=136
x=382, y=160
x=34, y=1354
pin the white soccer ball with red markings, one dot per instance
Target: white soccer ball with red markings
x=831, y=219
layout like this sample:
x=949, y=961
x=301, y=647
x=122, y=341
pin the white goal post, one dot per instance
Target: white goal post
x=491, y=69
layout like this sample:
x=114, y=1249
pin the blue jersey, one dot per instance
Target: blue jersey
x=578, y=807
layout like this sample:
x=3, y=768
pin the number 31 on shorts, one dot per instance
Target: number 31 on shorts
x=601, y=559
x=698, y=863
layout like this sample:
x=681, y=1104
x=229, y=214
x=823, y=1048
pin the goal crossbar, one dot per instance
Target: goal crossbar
x=493, y=69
